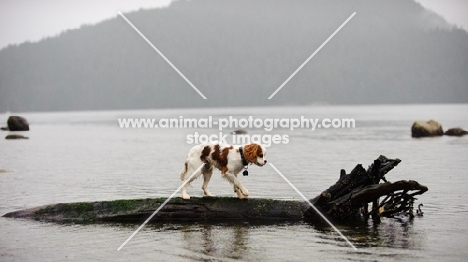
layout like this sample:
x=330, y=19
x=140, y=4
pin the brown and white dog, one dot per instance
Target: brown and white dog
x=229, y=159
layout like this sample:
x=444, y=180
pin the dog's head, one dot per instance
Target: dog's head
x=255, y=153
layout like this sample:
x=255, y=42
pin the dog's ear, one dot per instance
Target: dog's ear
x=251, y=152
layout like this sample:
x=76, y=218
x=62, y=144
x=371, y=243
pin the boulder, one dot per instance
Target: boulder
x=457, y=131
x=424, y=129
x=17, y=123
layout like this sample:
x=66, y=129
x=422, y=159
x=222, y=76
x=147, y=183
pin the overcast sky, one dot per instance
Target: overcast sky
x=32, y=20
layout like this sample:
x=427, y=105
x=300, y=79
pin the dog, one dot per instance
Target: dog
x=229, y=159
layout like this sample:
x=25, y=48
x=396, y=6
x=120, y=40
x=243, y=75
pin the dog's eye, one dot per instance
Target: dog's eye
x=261, y=155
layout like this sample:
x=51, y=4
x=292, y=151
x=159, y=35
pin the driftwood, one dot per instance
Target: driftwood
x=347, y=199
x=178, y=209
x=351, y=195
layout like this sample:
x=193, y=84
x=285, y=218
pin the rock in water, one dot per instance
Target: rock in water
x=424, y=129
x=457, y=131
x=17, y=123
x=16, y=136
x=239, y=132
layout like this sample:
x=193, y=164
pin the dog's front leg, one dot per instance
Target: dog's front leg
x=239, y=193
x=240, y=190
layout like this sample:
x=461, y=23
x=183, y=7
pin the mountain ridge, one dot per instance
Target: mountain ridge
x=237, y=53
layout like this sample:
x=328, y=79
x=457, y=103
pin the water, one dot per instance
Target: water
x=85, y=156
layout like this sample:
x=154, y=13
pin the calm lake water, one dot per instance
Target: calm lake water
x=85, y=156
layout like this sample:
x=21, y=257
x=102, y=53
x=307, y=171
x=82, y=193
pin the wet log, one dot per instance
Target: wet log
x=347, y=199
x=176, y=210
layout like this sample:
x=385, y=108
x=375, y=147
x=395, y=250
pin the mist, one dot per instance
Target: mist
x=237, y=53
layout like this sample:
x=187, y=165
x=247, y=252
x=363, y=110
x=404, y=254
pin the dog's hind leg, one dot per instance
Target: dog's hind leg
x=207, y=171
x=183, y=173
x=186, y=172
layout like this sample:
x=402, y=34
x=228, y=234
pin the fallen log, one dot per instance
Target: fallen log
x=177, y=209
x=347, y=199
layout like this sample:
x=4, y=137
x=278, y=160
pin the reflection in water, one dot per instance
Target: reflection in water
x=263, y=242
x=397, y=236
x=241, y=241
x=394, y=232
x=391, y=232
x=217, y=240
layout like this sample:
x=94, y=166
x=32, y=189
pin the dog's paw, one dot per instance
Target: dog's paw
x=241, y=196
x=245, y=192
x=185, y=196
x=208, y=193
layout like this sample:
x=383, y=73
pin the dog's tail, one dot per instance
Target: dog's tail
x=184, y=171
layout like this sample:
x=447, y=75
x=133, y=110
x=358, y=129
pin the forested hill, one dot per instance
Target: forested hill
x=237, y=53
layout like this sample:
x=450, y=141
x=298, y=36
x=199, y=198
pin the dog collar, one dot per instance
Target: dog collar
x=244, y=162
